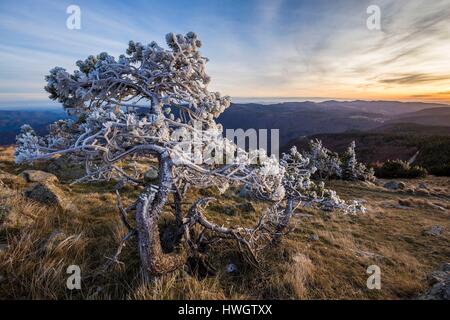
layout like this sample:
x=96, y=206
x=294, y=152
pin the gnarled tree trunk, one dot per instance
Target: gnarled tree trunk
x=154, y=261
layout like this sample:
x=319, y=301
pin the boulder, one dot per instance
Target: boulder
x=38, y=176
x=394, y=185
x=50, y=194
x=439, y=282
x=434, y=231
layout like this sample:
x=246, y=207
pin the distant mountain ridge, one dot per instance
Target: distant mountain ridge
x=388, y=108
x=429, y=117
x=293, y=119
x=12, y=120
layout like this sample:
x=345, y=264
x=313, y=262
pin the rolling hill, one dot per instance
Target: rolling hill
x=382, y=129
x=12, y=120
x=430, y=117
x=387, y=108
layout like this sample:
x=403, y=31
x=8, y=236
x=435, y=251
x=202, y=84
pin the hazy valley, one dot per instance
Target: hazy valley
x=382, y=130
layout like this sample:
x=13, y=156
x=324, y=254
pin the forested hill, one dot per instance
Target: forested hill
x=293, y=119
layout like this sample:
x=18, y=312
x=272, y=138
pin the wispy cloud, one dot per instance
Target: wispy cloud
x=257, y=47
x=415, y=78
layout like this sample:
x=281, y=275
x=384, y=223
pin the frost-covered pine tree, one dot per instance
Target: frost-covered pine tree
x=300, y=190
x=153, y=103
x=352, y=169
x=27, y=144
x=326, y=163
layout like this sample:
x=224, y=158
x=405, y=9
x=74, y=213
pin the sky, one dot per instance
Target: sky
x=283, y=49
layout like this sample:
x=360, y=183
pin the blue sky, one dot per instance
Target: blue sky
x=257, y=48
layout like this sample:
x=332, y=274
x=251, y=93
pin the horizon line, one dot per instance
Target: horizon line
x=42, y=105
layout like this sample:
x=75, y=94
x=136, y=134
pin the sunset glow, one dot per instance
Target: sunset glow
x=276, y=48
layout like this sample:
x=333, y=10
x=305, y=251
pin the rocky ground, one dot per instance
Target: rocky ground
x=47, y=225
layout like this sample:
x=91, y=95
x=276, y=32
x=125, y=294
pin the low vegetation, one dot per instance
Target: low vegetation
x=399, y=141
x=399, y=169
x=325, y=256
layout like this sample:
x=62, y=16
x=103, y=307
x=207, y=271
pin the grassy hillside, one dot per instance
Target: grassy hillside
x=38, y=242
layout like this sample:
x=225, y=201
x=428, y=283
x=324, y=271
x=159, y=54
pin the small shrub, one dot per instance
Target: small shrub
x=393, y=169
x=417, y=172
x=443, y=171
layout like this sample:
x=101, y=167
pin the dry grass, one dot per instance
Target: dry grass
x=40, y=242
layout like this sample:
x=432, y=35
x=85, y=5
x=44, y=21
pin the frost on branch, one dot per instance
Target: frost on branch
x=153, y=103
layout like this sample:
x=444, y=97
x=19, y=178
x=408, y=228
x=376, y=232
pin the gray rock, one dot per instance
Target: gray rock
x=151, y=174
x=439, y=282
x=394, y=185
x=423, y=185
x=435, y=231
x=313, y=237
x=38, y=176
x=391, y=185
x=50, y=194
x=245, y=191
